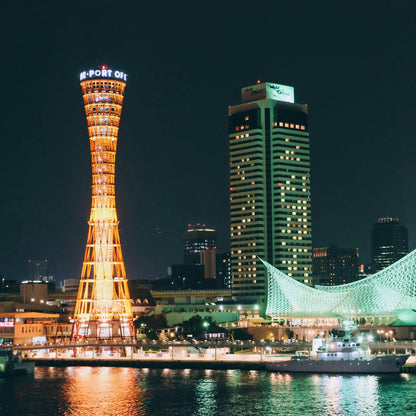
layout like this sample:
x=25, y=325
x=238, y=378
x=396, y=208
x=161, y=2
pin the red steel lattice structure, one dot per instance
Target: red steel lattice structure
x=103, y=308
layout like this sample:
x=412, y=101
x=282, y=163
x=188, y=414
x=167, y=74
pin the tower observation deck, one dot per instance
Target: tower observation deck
x=103, y=308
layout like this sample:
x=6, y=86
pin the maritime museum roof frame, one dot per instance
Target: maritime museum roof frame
x=385, y=293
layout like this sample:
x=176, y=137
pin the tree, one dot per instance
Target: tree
x=196, y=326
x=289, y=333
x=240, y=334
x=152, y=335
x=151, y=322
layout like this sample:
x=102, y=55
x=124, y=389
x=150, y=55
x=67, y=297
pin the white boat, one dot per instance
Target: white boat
x=344, y=354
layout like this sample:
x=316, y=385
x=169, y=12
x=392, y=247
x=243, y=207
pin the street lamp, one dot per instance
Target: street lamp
x=380, y=332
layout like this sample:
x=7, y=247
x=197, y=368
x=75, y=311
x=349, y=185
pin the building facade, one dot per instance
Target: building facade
x=196, y=239
x=26, y=327
x=223, y=269
x=38, y=270
x=389, y=242
x=270, y=198
x=335, y=265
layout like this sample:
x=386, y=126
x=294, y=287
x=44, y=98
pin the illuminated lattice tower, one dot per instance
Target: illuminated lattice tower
x=103, y=307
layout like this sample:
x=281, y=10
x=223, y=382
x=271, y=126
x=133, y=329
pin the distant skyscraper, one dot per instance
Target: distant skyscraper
x=388, y=242
x=195, y=239
x=38, y=270
x=199, y=268
x=270, y=197
x=335, y=266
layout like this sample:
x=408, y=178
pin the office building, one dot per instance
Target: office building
x=334, y=265
x=38, y=270
x=389, y=242
x=270, y=198
x=195, y=239
x=198, y=270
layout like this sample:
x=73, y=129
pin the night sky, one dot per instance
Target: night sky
x=353, y=63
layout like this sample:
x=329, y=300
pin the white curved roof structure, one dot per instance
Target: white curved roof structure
x=386, y=292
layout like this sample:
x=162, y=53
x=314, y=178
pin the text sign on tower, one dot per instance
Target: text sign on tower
x=102, y=73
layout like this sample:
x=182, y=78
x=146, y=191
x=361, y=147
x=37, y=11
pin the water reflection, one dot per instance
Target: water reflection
x=280, y=379
x=83, y=391
x=350, y=395
x=102, y=391
x=332, y=386
x=347, y=395
x=205, y=398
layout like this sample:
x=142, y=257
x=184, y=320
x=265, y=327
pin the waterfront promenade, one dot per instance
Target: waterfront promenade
x=246, y=355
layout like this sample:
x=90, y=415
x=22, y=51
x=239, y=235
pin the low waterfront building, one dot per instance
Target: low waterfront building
x=25, y=327
x=180, y=305
x=142, y=302
x=69, y=285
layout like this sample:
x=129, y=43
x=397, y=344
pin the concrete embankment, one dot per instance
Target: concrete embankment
x=149, y=363
x=173, y=364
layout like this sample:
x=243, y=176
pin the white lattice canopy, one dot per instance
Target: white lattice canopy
x=386, y=292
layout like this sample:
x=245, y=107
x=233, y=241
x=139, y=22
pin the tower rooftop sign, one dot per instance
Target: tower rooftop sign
x=102, y=72
x=269, y=90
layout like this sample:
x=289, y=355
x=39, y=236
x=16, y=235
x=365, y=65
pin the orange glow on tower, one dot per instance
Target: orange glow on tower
x=103, y=308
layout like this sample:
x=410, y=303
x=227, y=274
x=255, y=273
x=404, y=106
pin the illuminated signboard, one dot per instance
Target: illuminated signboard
x=7, y=324
x=103, y=72
x=280, y=92
x=265, y=90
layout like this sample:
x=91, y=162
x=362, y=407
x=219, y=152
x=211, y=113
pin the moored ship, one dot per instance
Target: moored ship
x=343, y=354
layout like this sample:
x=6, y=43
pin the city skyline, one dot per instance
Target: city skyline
x=185, y=67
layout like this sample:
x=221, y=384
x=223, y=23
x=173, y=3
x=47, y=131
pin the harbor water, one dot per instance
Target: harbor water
x=108, y=391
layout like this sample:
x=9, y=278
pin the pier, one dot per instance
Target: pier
x=222, y=355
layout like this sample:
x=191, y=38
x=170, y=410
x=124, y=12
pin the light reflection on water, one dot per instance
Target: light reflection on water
x=205, y=397
x=103, y=391
x=79, y=391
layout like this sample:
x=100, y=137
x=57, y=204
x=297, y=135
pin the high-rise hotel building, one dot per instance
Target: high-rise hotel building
x=270, y=197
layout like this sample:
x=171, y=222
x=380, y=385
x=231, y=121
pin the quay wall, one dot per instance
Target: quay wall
x=172, y=364
x=149, y=363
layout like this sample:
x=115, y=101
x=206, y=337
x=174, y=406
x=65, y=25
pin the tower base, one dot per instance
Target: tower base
x=97, y=330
